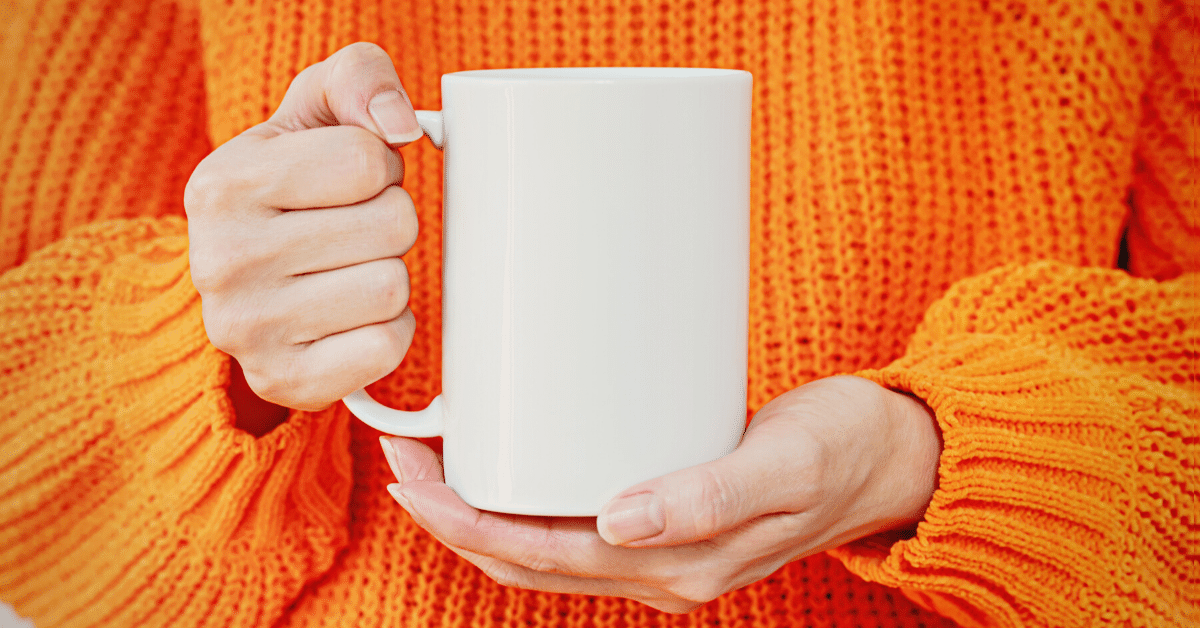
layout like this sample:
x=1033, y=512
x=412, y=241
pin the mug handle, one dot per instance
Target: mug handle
x=431, y=420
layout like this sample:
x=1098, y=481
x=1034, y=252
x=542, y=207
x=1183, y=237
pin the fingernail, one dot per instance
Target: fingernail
x=389, y=453
x=400, y=497
x=632, y=518
x=394, y=117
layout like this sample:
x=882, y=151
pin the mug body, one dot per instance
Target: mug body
x=596, y=234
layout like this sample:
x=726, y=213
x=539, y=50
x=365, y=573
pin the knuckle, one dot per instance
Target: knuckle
x=385, y=348
x=207, y=189
x=238, y=330
x=459, y=534
x=208, y=274
x=217, y=268
x=716, y=502
x=697, y=589
x=222, y=327
x=269, y=387
x=368, y=160
x=504, y=574
x=544, y=564
x=303, y=75
x=390, y=286
x=362, y=53
x=399, y=220
x=294, y=328
x=265, y=387
x=290, y=384
x=272, y=372
x=196, y=192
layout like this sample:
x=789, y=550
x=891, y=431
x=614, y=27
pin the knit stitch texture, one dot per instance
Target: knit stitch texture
x=939, y=196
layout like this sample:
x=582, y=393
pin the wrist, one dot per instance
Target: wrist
x=918, y=452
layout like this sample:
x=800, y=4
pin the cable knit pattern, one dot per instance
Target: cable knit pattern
x=939, y=193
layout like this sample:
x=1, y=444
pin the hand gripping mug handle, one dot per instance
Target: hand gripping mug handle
x=431, y=420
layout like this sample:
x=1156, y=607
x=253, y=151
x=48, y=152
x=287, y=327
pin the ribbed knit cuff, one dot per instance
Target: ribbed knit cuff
x=1046, y=495
x=153, y=508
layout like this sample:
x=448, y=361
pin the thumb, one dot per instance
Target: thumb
x=356, y=85
x=765, y=474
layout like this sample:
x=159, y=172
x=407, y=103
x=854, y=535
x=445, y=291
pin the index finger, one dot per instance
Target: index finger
x=310, y=169
x=356, y=86
x=559, y=545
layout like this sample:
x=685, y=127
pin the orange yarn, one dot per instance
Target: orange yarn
x=971, y=165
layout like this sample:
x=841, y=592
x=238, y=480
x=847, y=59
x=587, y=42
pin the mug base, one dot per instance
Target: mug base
x=569, y=510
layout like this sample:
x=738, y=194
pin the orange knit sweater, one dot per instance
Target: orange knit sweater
x=939, y=193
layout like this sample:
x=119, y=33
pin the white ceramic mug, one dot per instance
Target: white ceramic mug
x=595, y=282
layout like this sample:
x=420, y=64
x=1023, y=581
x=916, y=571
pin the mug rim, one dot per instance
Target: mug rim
x=593, y=74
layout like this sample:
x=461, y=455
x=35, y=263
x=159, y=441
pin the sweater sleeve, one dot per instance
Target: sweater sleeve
x=129, y=497
x=102, y=115
x=1067, y=403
